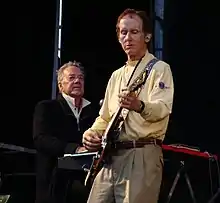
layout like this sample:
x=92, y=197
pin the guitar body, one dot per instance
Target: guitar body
x=103, y=155
x=94, y=170
x=97, y=164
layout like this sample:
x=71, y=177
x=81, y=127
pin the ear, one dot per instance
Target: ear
x=60, y=86
x=148, y=37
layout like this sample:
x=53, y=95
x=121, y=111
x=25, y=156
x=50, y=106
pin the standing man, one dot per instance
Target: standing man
x=135, y=173
x=57, y=129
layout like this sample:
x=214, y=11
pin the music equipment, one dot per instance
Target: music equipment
x=215, y=196
x=175, y=153
x=4, y=198
x=15, y=161
x=17, y=173
x=15, y=148
x=77, y=162
x=114, y=127
x=186, y=155
x=188, y=150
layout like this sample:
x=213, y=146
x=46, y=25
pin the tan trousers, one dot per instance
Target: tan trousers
x=134, y=176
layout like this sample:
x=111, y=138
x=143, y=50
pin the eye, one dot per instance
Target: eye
x=81, y=77
x=124, y=32
x=74, y=77
x=135, y=31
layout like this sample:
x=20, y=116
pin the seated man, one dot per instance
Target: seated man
x=58, y=126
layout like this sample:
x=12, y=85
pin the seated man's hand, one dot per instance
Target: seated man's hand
x=91, y=140
x=81, y=149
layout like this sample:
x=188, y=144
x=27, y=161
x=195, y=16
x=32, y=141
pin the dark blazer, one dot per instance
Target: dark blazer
x=55, y=132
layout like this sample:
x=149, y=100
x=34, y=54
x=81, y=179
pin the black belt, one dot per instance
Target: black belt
x=136, y=143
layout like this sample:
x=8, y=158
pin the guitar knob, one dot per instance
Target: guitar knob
x=101, y=102
x=85, y=168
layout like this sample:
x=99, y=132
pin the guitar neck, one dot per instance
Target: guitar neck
x=112, y=122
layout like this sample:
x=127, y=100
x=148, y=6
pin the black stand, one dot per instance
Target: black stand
x=179, y=173
x=212, y=200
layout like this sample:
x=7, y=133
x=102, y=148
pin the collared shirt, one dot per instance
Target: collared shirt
x=157, y=94
x=71, y=102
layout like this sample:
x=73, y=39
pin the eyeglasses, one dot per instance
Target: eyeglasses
x=74, y=77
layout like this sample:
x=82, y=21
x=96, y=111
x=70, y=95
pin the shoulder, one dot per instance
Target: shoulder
x=46, y=105
x=163, y=74
x=91, y=110
x=161, y=66
x=91, y=107
x=116, y=74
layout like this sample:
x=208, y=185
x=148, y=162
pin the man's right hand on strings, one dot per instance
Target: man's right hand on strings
x=91, y=140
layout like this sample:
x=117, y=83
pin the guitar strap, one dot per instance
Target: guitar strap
x=148, y=69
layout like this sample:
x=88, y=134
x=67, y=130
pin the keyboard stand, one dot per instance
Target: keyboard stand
x=181, y=171
x=217, y=194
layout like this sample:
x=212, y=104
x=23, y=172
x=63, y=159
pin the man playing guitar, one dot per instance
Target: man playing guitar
x=142, y=99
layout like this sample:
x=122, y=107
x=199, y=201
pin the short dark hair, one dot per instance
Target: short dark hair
x=147, y=27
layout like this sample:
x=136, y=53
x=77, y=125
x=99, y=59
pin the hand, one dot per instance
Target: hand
x=129, y=101
x=91, y=140
x=81, y=149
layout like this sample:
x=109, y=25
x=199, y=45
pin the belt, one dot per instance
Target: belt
x=136, y=143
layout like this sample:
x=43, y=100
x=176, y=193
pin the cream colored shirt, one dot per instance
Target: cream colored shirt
x=157, y=94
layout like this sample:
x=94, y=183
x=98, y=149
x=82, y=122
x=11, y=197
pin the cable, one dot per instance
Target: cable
x=218, y=172
x=210, y=175
x=212, y=158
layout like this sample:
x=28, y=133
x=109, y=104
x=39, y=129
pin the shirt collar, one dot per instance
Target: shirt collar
x=133, y=63
x=70, y=100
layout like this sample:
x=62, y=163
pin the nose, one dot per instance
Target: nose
x=76, y=80
x=128, y=36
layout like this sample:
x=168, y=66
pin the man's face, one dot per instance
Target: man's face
x=73, y=82
x=131, y=35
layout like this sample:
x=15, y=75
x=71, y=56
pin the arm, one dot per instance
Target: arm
x=160, y=97
x=46, y=131
x=92, y=136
